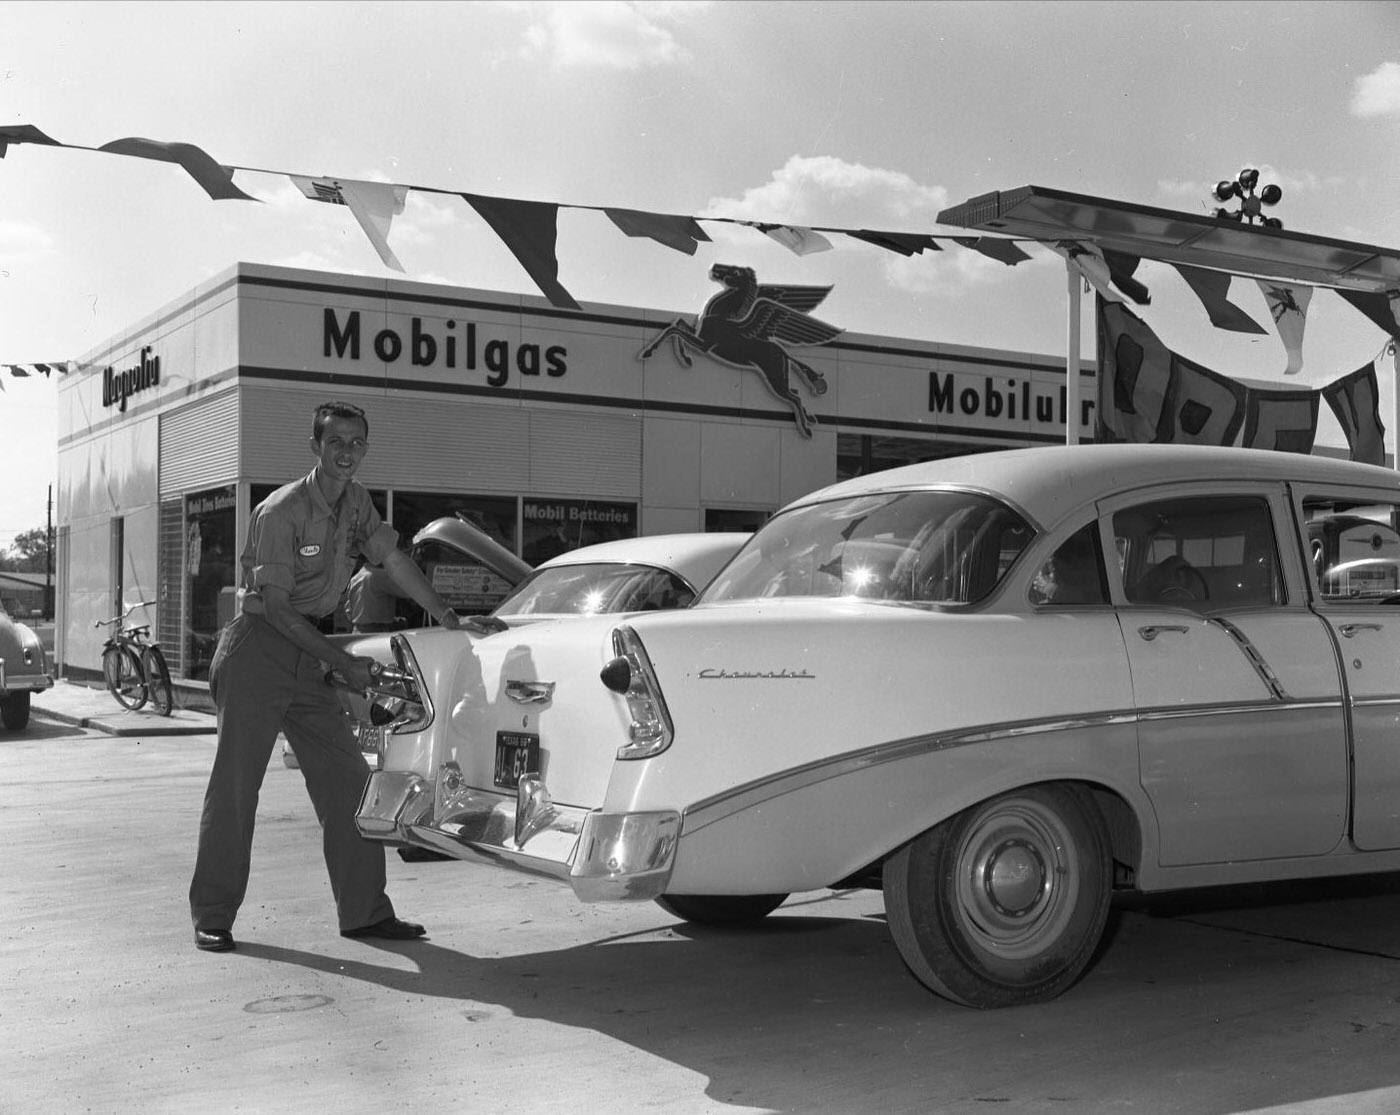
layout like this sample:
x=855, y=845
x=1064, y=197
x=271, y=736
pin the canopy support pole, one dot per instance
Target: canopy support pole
x=1075, y=283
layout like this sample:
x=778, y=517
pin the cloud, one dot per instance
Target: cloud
x=830, y=192
x=825, y=190
x=21, y=242
x=1378, y=93
x=615, y=34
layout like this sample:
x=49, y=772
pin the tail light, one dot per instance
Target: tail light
x=401, y=701
x=630, y=674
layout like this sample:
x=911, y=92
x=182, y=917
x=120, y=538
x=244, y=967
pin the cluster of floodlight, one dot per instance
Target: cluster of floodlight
x=1251, y=204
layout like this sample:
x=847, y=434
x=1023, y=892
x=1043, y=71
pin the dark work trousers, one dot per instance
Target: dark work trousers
x=261, y=682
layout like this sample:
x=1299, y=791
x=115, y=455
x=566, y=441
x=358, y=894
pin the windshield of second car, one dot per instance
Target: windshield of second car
x=917, y=547
x=595, y=588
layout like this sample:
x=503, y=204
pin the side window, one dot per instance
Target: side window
x=1074, y=573
x=1354, y=549
x=1209, y=552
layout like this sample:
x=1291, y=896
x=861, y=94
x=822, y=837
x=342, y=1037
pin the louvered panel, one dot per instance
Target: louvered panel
x=199, y=445
x=429, y=444
x=586, y=454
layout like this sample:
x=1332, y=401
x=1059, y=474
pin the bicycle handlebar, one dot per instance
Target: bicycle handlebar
x=131, y=608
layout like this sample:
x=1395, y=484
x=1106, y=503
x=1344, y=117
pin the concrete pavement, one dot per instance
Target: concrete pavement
x=524, y=1000
x=83, y=706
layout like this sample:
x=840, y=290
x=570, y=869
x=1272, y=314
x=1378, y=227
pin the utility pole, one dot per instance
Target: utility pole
x=48, y=559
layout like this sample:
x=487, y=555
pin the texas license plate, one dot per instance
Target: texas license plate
x=517, y=753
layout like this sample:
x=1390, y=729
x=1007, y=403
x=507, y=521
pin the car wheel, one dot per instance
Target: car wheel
x=1004, y=903
x=14, y=710
x=720, y=909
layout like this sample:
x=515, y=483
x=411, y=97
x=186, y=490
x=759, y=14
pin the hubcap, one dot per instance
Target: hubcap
x=1014, y=878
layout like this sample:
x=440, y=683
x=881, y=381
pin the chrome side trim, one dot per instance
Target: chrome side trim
x=1257, y=660
x=1186, y=712
x=725, y=804
x=715, y=808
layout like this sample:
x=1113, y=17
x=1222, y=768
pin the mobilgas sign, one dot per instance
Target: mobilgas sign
x=446, y=344
x=117, y=387
x=1003, y=400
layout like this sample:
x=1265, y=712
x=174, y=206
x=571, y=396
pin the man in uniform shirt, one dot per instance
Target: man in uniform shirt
x=268, y=673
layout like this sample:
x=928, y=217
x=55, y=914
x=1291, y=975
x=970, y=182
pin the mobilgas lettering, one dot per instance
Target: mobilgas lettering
x=117, y=387
x=455, y=346
x=1013, y=402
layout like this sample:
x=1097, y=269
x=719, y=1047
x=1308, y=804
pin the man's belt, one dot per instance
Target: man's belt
x=324, y=624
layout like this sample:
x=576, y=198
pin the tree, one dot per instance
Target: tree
x=29, y=553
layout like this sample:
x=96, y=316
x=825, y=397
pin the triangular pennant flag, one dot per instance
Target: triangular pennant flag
x=1355, y=400
x=796, y=239
x=1285, y=421
x=529, y=229
x=1203, y=407
x=1091, y=268
x=905, y=243
x=373, y=204
x=993, y=247
x=1213, y=289
x=216, y=180
x=18, y=370
x=1288, y=303
x=1134, y=374
x=23, y=133
x=1380, y=308
x=681, y=233
x=1121, y=266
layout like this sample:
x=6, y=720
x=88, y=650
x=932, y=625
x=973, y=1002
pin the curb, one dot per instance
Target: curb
x=133, y=723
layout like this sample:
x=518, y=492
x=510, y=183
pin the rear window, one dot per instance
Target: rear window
x=592, y=589
x=913, y=547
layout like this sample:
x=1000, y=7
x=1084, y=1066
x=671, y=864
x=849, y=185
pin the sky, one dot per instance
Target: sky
x=874, y=115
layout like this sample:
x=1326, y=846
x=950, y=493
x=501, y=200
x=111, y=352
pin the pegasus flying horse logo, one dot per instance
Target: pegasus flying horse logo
x=747, y=325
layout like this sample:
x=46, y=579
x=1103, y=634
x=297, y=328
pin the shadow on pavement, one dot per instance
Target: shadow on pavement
x=817, y=1014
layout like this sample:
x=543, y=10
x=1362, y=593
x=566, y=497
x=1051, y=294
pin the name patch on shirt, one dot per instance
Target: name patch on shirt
x=310, y=551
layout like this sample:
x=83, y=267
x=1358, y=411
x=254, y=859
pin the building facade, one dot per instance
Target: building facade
x=547, y=428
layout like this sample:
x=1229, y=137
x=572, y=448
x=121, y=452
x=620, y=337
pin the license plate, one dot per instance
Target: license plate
x=517, y=753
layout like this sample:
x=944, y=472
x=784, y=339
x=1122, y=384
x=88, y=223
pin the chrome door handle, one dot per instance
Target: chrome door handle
x=529, y=692
x=1348, y=630
x=1152, y=630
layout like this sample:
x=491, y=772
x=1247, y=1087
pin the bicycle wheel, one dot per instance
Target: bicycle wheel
x=126, y=681
x=158, y=681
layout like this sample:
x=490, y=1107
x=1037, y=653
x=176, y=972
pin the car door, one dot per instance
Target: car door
x=1241, y=732
x=1353, y=537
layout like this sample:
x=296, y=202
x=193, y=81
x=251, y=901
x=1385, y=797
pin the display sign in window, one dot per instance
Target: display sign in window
x=555, y=526
x=469, y=587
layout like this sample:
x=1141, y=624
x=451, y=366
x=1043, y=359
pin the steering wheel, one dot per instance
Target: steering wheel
x=1186, y=583
x=1173, y=579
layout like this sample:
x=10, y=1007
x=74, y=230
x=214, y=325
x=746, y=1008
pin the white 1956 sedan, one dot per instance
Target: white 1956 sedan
x=997, y=686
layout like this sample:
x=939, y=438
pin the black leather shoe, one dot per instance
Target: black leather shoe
x=213, y=940
x=390, y=929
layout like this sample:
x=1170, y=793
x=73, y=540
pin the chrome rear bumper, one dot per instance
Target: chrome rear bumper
x=603, y=856
x=14, y=682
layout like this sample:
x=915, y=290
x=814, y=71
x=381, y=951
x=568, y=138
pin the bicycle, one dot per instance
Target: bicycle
x=135, y=669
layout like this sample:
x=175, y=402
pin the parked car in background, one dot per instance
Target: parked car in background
x=997, y=687
x=626, y=575
x=24, y=669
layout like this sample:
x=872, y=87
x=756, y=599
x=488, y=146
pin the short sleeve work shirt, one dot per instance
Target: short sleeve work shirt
x=300, y=543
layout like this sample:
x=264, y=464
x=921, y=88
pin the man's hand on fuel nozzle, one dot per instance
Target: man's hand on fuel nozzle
x=359, y=671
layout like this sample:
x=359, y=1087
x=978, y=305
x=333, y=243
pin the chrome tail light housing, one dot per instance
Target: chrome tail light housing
x=630, y=674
